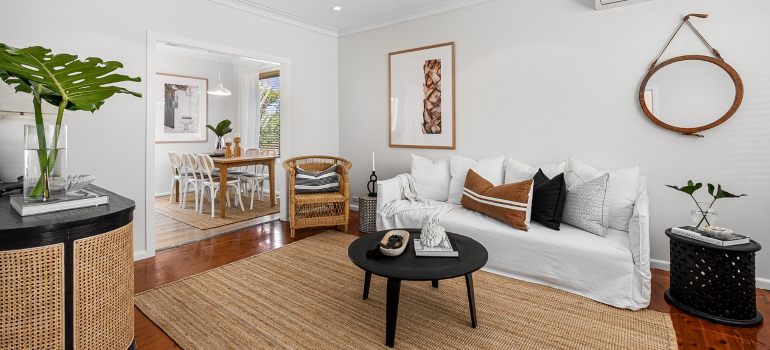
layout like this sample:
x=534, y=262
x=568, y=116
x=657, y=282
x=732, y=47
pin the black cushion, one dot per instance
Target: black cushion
x=548, y=197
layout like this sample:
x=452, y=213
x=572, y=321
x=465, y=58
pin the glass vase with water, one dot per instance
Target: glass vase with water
x=45, y=162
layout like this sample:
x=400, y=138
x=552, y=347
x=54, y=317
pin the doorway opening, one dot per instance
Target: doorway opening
x=211, y=111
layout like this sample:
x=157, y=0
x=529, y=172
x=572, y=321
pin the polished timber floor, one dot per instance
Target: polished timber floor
x=176, y=263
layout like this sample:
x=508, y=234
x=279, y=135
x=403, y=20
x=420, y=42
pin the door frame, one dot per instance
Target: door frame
x=154, y=37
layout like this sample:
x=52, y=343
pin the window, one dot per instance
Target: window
x=270, y=111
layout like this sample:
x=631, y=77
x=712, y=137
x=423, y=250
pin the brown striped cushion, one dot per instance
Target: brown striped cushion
x=510, y=203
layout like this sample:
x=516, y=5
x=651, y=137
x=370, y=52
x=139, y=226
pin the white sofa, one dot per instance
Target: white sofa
x=614, y=270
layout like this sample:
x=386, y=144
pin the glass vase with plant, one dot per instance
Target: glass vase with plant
x=66, y=82
x=704, y=212
x=222, y=129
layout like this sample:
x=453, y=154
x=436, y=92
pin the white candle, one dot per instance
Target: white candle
x=372, y=161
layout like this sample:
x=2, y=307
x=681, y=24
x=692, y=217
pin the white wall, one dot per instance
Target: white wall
x=546, y=80
x=110, y=144
x=219, y=108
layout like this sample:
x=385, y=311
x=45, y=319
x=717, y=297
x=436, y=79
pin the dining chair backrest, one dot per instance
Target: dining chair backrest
x=191, y=164
x=176, y=163
x=260, y=169
x=207, y=166
x=268, y=152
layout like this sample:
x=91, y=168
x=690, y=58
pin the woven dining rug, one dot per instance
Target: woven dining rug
x=307, y=295
x=204, y=220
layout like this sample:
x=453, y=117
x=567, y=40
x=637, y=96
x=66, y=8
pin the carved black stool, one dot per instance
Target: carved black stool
x=712, y=282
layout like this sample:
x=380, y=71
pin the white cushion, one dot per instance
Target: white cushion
x=623, y=187
x=489, y=168
x=432, y=179
x=516, y=171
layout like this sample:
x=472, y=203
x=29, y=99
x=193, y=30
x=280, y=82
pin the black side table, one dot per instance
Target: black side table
x=712, y=282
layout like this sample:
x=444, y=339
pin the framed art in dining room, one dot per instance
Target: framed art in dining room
x=422, y=97
x=181, y=108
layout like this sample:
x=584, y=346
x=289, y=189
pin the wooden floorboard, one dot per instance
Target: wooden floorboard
x=177, y=263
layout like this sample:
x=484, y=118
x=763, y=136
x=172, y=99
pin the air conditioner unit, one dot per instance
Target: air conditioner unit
x=606, y=4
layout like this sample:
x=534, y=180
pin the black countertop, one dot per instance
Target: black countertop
x=18, y=232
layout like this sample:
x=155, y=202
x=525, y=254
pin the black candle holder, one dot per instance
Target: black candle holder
x=372, y=185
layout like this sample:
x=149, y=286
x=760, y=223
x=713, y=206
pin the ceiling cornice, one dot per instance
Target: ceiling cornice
x=271, y=13
x=268, y=12
x=420, y=13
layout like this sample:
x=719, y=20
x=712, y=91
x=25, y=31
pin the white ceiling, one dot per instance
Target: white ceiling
x=356, y=15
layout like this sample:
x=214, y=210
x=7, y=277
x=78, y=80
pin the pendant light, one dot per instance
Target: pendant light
x=220, y=90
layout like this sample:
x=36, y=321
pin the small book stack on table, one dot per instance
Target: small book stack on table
x=444, y=250
x=722, y=240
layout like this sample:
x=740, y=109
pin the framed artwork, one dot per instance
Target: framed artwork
x=422, y=97
x=181, y=108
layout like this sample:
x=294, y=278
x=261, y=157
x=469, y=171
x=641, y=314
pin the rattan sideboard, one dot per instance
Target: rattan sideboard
x=67, y=278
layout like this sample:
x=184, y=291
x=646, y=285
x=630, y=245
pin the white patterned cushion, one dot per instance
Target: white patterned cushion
x=623, y=188
x=587, y=204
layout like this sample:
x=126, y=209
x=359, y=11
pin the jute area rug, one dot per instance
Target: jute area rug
x=204, y=220
x=307, y=295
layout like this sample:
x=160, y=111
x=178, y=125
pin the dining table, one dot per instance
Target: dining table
x=224, y=163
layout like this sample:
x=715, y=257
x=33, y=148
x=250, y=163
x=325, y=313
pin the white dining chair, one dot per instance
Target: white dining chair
x=211, y=182
x=254, y=181
x=250, y=180
x=175, y=161
x=192, y=176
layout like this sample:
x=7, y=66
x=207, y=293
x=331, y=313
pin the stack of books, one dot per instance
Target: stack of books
x=697, y=234
x=89, y=197
x=444, y=250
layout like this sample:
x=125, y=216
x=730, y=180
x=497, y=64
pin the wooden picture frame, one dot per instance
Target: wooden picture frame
x=181, y=118
x=421, y=97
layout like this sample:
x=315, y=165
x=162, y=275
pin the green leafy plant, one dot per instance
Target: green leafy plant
x=222, y=128
x=716, y=192
x=63, y=81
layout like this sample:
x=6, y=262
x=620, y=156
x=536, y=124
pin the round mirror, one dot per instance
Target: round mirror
x=689, y=94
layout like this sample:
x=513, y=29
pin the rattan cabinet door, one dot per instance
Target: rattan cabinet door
x=103, y=290
x=32, y=298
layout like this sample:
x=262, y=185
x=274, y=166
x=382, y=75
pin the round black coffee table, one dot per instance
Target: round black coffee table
x=409, y=267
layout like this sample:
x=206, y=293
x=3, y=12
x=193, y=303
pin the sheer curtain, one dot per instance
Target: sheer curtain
x=248, y=108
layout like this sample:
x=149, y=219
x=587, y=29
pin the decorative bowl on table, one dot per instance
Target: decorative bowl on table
x=394, y=242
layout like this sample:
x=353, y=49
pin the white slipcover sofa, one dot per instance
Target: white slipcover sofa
x=614, y=270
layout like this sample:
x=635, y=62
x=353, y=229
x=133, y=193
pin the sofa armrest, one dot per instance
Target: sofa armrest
x=639, y=238
x=387, y=191
x=639, y=231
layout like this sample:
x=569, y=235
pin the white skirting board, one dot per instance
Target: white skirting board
x=762, y=283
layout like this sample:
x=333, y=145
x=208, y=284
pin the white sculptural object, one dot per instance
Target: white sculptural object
x=432, y=235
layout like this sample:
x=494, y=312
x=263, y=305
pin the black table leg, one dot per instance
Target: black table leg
x=367, y=281
x=471, y=298
x=391, y=313
x=434, y=283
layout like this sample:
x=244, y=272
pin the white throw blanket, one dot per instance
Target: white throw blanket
x=412, y=200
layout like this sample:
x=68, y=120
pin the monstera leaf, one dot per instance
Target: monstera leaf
x=84, y=85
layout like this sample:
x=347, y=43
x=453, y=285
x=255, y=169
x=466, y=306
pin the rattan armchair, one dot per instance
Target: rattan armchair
x=318, y=209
